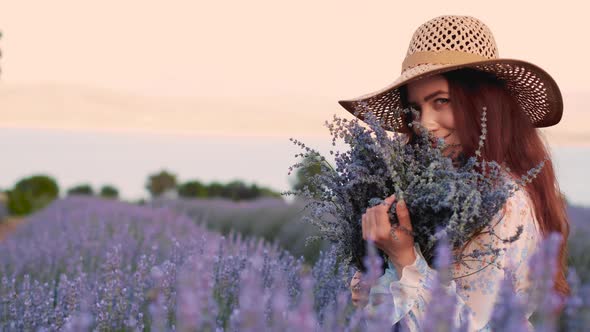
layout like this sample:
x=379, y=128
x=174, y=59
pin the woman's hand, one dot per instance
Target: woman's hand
x=396, y=242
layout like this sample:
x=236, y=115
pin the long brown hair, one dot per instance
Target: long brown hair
x=511, y=140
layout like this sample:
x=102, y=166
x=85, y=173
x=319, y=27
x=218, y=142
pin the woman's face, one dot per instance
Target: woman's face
x=430, y=97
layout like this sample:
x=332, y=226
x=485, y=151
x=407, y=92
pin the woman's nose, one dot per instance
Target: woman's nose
x=428, y=119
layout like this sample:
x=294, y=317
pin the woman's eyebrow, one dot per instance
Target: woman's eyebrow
x=430, y=96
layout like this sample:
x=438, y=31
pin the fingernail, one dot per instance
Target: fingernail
x=402, y=203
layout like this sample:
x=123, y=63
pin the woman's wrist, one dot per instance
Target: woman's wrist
x=401, y=260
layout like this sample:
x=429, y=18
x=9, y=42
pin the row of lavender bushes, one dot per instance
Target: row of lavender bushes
x=578, y=244
x=90, y=264
x=271, y=219
x=278, y=221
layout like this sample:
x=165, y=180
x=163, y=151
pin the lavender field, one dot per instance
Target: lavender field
x=87, y=264
x=271, y=219
x=90, y=264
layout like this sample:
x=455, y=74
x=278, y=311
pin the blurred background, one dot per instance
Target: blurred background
x=107, y=93
x=140, y=99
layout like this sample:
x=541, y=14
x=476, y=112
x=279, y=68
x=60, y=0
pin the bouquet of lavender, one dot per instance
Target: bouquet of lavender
x=447, y=197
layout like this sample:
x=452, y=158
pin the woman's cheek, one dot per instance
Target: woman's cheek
x=448, y=120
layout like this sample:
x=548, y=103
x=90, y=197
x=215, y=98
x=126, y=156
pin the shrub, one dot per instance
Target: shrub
x=108, y=191
x=83, y=189
x=32, y=194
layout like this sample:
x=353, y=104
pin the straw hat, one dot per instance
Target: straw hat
x=451, y=42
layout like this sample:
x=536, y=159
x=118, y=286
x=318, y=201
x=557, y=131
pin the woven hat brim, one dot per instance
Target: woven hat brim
x=534, y=89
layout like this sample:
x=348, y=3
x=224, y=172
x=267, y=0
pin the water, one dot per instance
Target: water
x=126, y=160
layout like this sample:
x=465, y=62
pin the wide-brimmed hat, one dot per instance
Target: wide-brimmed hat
x=452, y=42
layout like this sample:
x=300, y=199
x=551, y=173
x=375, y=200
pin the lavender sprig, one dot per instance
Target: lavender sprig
x=460, y=196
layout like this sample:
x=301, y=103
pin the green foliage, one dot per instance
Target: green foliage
x=192, y=189
x=3, y=208
x=267, y=192
x=215, y=189
x=83, y=189
x=108, y=191
x=238, y=190
x=161, y=182
x=32, y=194
x=311, y=165
x=235, y=190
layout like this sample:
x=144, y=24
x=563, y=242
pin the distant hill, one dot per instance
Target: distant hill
x=80, y=108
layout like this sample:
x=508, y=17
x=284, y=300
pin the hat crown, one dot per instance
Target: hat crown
x=454, y=33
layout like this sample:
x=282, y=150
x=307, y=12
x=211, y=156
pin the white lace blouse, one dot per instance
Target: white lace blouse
x=475, y=286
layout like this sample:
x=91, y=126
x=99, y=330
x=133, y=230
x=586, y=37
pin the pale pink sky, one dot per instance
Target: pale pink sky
x=153, y=70
x=245, y=68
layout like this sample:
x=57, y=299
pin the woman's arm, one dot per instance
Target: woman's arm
x=476, y=285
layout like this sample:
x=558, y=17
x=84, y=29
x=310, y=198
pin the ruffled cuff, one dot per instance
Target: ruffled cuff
x=415, y=274
x=401, y=294
x=380, y=293
x=406, y=291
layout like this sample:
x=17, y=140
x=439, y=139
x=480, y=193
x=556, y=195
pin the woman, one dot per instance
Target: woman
x=450, y=74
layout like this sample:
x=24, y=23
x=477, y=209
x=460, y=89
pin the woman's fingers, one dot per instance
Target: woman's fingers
x=376, y=227
x=364, y=226
x=368, y=225
x=375, y=221
x=403, y=215
x=389, y=201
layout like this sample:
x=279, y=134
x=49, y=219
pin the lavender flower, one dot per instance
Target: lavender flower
x=442, y=312
x=509, y=313
x=460, y=196
x=85, y=264
x=543, y=267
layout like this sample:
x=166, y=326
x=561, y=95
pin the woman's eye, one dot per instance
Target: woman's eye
x=442, y=100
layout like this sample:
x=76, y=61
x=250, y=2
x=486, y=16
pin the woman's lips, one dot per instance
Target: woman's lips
x=434, y=140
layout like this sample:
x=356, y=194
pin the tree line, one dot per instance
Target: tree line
x=33, y=193
x=165, y=183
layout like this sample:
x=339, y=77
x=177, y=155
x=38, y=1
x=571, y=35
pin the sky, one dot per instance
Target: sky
x=252, y=71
